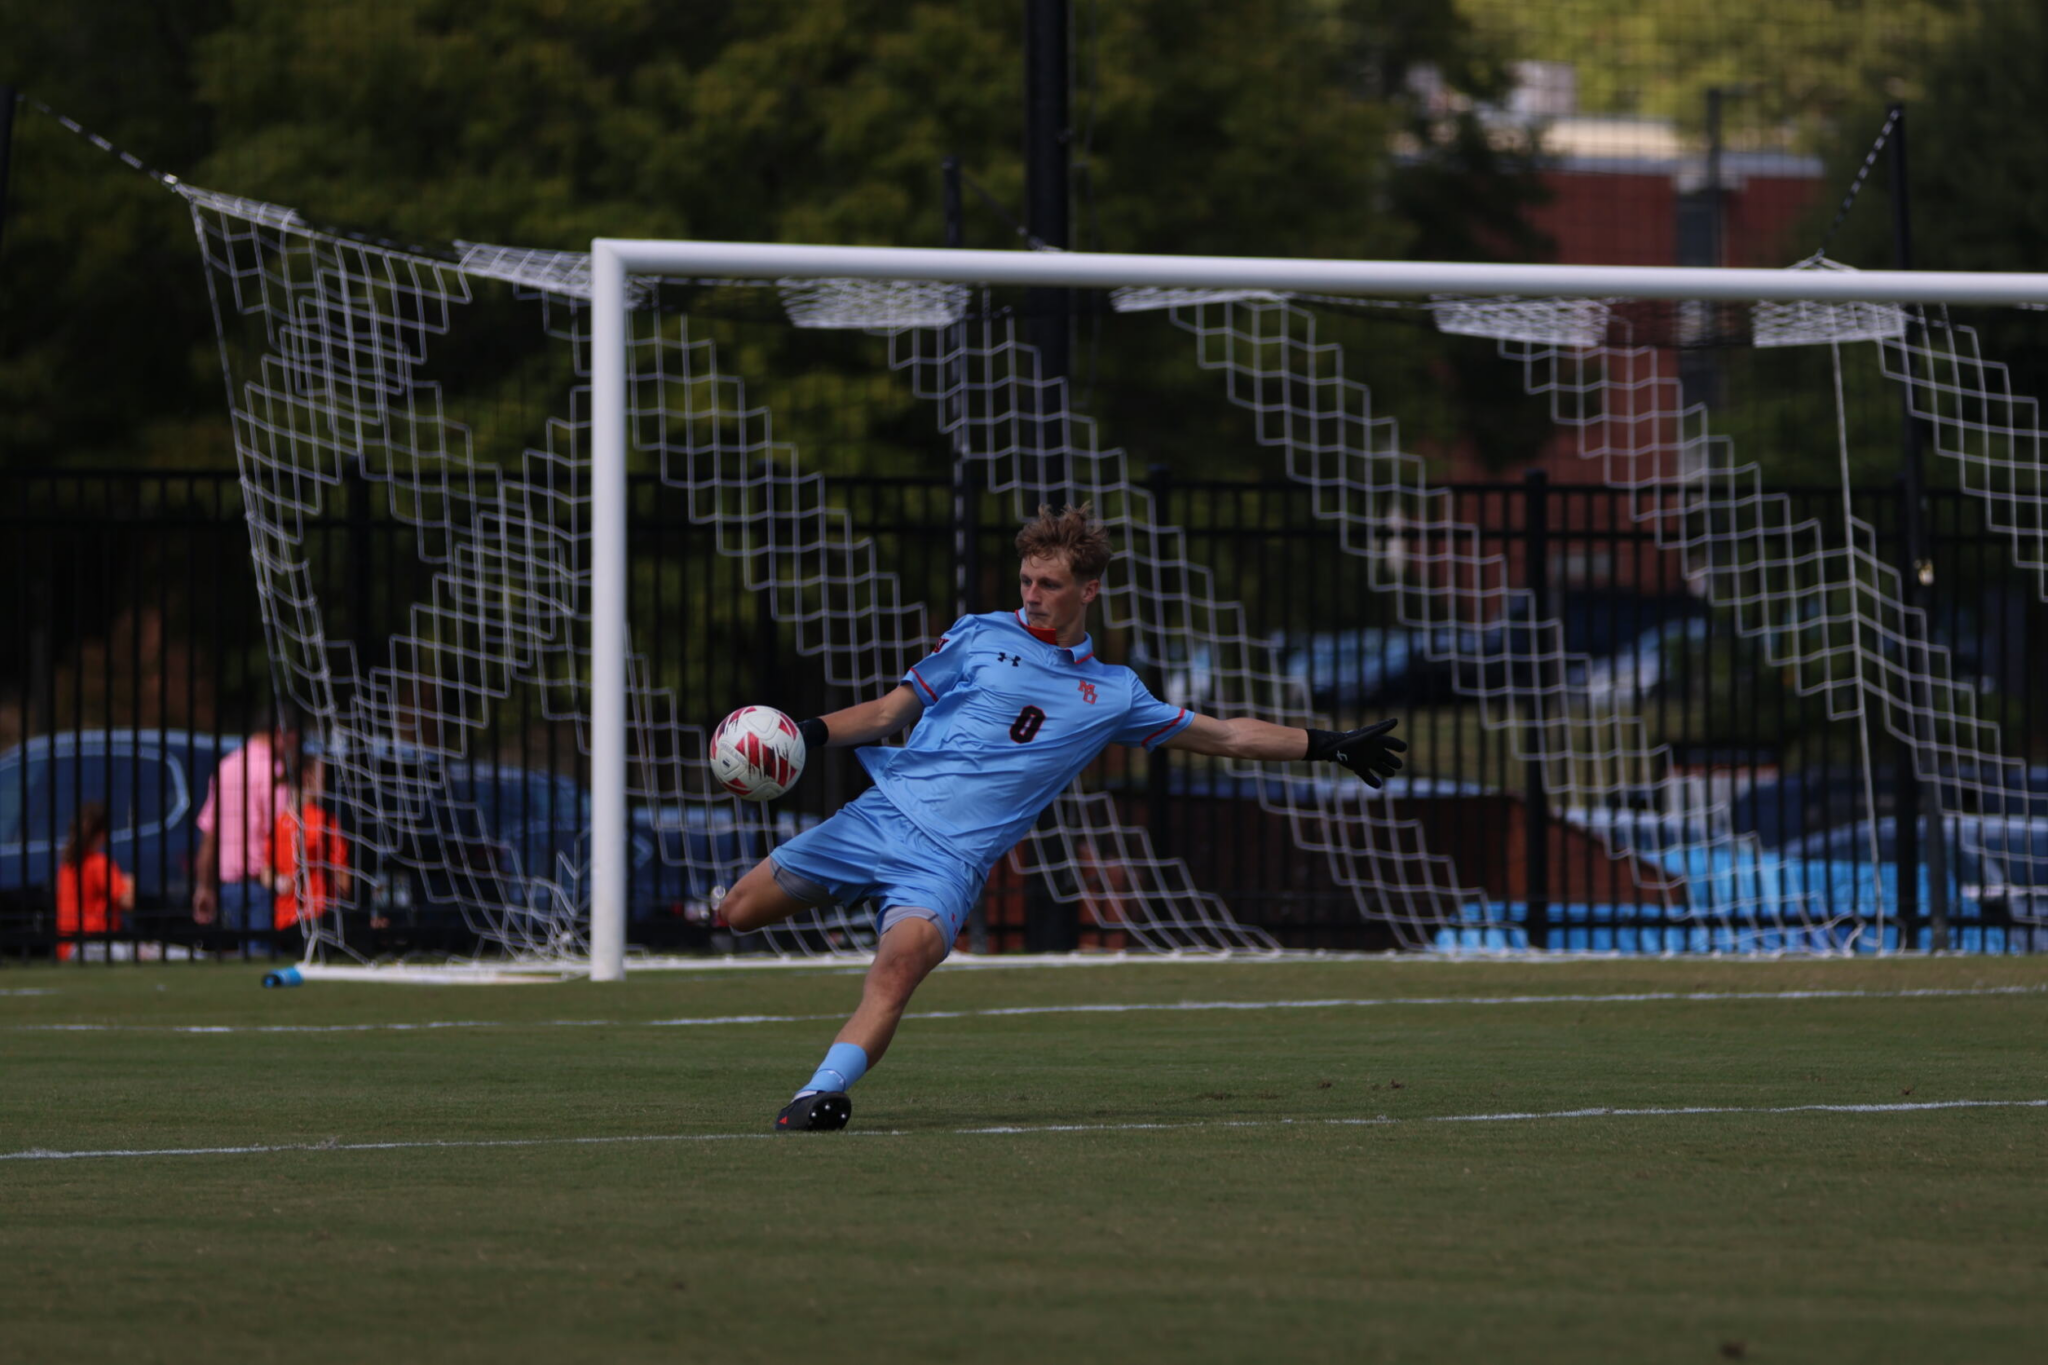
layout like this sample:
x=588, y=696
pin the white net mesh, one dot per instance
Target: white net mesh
x=802, y=552
x=330, y=347
x=1000, y=410
x=326, y=345
x=1597, y=757
x=1803, y=322
x=1825, y=603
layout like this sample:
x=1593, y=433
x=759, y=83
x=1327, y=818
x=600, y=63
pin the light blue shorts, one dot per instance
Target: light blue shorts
x=871, y=850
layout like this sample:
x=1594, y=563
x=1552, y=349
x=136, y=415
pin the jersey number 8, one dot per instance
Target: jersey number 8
x=1025, y=728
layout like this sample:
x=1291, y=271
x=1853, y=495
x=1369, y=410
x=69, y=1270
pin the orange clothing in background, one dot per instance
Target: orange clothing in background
x=326, y=856
x=88, y=899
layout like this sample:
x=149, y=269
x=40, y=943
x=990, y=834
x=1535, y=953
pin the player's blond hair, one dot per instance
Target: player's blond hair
x=1073, y=534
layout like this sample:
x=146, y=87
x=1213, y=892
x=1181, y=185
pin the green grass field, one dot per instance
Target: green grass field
x=1188, y=1184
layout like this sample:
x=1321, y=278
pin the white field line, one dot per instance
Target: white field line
x=1009, y=1011
x=567, y=969
x=1377, y=1121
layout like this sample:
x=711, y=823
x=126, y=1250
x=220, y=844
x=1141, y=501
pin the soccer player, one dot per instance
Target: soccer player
x=1009, y=708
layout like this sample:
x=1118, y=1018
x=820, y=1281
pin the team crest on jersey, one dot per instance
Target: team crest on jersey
x=1088, y=693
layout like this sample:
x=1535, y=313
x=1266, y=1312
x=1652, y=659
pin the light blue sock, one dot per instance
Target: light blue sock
x=844, y=1064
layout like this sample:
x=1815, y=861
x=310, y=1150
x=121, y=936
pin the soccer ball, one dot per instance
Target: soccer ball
x=757, y=753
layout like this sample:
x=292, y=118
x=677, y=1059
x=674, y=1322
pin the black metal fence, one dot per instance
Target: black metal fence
x=134, y=658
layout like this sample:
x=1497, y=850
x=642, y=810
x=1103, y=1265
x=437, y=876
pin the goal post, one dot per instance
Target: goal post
x=614, y=261
x=608, y=671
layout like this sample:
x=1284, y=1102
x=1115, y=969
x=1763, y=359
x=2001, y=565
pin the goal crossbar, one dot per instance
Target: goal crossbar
x=614, y=261
x=1108, y=270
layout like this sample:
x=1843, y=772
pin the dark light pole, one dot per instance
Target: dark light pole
x=7, y=101
x=1048, y=312
x=1050, y=925
x=1702, y=239
x=966, y=569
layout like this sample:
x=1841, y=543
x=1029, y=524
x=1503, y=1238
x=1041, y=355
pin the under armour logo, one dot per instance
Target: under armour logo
x=1011, y=659
x=1088, y=693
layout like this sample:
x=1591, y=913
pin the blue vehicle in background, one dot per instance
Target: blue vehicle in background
x=535, y=824
x=685, y=857
x=530, y=828
x=1346, y=670
x=1342, y=669
x=1631, y=677
x=152, y=783
x=501, y=835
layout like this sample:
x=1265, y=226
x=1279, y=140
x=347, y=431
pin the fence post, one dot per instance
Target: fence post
x=7, y=99
x=1907, y=806
x=1536, y=793
x=966, y=495
x=360, y=562
x=1158, y=480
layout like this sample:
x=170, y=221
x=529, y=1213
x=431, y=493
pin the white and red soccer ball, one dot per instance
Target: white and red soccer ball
x=757, y=753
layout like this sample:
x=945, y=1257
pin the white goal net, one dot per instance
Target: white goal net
x=464, y=394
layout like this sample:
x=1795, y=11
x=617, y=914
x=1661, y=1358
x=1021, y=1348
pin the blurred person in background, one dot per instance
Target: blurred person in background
x=249, y=792
x=307, y=840
x=91, y=888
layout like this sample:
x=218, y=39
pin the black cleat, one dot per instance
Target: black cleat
x=822, y=1111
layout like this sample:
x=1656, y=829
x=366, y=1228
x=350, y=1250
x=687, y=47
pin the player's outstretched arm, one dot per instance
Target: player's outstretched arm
x=865, y=723
x=1372, y=753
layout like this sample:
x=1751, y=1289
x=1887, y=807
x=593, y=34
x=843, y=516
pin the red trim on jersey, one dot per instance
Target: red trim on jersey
x=922, y=683
x=1044, y=634
x=1085, y=657
x=1164, y=728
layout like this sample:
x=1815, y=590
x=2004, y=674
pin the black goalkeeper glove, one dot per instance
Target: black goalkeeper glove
x=1369, y=752
x=815, y=734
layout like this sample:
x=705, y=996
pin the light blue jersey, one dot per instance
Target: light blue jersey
x=1009, y=722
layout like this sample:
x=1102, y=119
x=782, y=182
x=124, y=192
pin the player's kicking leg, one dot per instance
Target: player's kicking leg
x=912, y=943
x=910, y=947
x=764, y=897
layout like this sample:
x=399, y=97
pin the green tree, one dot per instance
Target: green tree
x=1799, y=66
x=1244, y=126
x=106, y=351
x=1974, y=138
x=1975, y=205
